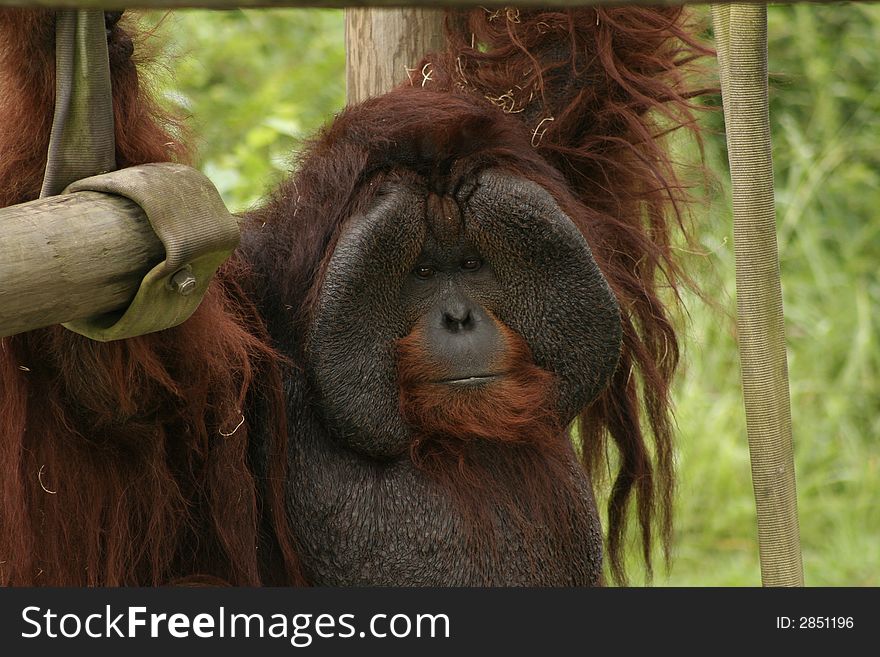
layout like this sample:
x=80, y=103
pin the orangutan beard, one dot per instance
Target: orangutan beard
x=498, y=448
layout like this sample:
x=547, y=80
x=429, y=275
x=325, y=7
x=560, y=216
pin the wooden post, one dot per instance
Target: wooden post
x=71, y=256
x=382, y=44
x=238, y=4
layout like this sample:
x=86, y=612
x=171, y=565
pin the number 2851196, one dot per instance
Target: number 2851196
x=814, y=622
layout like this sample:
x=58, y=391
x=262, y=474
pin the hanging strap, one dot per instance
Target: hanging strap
x=81, y=143
x=741, y=39
x=182, y=206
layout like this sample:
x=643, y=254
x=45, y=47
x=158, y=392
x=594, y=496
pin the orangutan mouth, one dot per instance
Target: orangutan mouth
x=479, y=379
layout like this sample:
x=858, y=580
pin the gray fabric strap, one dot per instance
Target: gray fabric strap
x=741, y=38
x=187, y=213
x=82, y=142
x=182, y=205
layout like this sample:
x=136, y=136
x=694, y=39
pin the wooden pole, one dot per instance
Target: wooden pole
x=236, y=4
x=71, y=256
x=382, y=45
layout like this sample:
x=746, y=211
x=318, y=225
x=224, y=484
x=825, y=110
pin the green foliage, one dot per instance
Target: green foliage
x=256, y=82
x=827, y=133
x=825, y=112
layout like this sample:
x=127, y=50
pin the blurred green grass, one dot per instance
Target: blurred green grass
x=258, y=82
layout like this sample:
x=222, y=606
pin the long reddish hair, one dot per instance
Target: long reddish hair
x=121, y=463
x=598, y=89
x=129, y=463
x=578, y=101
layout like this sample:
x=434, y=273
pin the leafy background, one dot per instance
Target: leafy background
x=256, y=83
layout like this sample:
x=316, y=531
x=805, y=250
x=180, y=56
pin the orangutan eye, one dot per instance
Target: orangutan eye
x=471, y=264
x=423, y=271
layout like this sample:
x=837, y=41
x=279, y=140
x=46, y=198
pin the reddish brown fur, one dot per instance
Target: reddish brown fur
x=614, y=81
x=499, y=451
x=518, y=409
x=112, y=465
x=605, y=81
